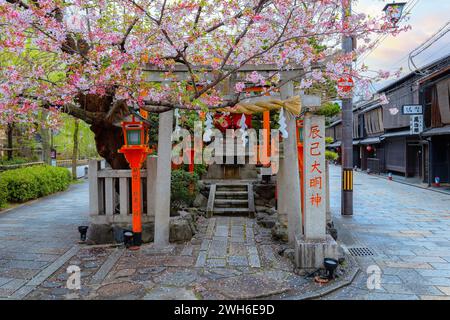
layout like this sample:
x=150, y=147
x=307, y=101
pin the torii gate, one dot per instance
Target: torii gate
x=310, y=239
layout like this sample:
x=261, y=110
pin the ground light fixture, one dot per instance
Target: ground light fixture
x=330, y=266
x=83, y=232
x=394, y=11
x=128, y=239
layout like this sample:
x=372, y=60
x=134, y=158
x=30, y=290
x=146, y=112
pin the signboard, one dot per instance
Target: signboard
x=414, y=109
x=416, y=124
x=345, y=84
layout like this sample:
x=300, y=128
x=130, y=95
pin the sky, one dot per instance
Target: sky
x=425, y=18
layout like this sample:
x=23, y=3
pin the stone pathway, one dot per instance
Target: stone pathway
x=407, y=229
x=229, y=242
x=38, y=237
x=228, y=258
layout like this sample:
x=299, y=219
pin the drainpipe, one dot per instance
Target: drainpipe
x=430, y=162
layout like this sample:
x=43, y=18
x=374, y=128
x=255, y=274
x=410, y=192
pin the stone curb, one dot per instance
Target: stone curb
x=330, y=289
x=405, y=183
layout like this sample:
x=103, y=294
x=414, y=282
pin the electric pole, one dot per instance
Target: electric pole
x=347, y=125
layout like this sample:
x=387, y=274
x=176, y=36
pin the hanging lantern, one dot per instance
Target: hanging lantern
x=394, y=11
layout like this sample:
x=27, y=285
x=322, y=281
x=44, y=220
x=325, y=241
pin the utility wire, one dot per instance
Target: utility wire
x=381, y=38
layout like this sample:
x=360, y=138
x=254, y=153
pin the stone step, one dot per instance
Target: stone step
x=231, y=211
x=231, y=203
x=225, y=196
x=231, y=189
x=231, y=193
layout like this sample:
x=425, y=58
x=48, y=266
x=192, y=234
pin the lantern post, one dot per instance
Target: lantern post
x=135, y=150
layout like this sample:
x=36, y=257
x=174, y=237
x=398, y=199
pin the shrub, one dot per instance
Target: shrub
x=331, y=156
x=33, y=182
x=184, y=188
x=3, y=193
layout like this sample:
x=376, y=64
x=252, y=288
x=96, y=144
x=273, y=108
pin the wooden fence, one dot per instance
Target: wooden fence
x=110, y=193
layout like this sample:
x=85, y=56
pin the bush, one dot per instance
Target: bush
x=3, y=193
x=33, y=182
x=184, y=188
x=15, y=160
x=331, y=156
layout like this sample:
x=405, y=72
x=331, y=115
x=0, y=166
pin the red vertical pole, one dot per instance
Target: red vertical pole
x=136, y=205
x=191, y=160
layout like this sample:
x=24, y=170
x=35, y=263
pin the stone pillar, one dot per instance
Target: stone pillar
x=315, y=245
x=289, y=187
x=151, y=184
x=315, y=181
x=162, y=183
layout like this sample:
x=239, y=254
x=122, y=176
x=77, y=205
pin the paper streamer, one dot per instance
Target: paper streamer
x=282, y=123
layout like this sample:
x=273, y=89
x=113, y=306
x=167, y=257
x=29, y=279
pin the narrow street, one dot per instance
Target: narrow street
x=36, y=238
x=407, y=229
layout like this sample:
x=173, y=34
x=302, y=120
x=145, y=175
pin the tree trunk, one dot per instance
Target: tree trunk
x=75, y=149
x=109, y=139
x=46, y=144
x=10, y=140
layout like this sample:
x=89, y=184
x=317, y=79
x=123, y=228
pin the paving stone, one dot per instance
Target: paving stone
x=253, y=257
x=22, y=264
x=237, y=261
x=221, y=231
x=4, y=280
x=170, y=293
x=205, y=244
x=247, y=287
x=187, y=250
x=124, y=273
x=201, y=259
x=237, y=239
x=179, y=278
x=218, y=249
x=237, y=249
x=115, y=290
x=216, y=263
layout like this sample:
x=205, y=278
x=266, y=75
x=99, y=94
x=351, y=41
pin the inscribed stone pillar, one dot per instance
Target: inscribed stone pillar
x=163, y=175
x=315, y=179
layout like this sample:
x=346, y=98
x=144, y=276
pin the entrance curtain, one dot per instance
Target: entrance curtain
x=443, y=89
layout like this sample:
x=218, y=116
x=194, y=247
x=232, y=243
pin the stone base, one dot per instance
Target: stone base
x=309, y=254
x=182, y=228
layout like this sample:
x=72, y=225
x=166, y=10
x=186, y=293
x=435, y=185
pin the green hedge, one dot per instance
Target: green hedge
x=33, y=182
x=3, y=193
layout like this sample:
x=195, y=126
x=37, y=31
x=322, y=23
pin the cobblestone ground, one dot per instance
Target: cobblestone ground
x=407, y=229
x=36, y=238
x=229, y=258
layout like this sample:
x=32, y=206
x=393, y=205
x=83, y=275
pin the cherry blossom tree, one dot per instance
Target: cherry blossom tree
x=92, y=58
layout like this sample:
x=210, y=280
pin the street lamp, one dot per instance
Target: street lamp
x=394, y=11
x=135, y=151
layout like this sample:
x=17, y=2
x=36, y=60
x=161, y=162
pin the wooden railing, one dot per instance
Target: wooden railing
x=110, y=193
x=68, y=163
x=21, y=165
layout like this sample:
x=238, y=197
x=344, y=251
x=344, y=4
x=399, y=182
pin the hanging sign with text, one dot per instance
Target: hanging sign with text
x=414, y=109
x=416, y=124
